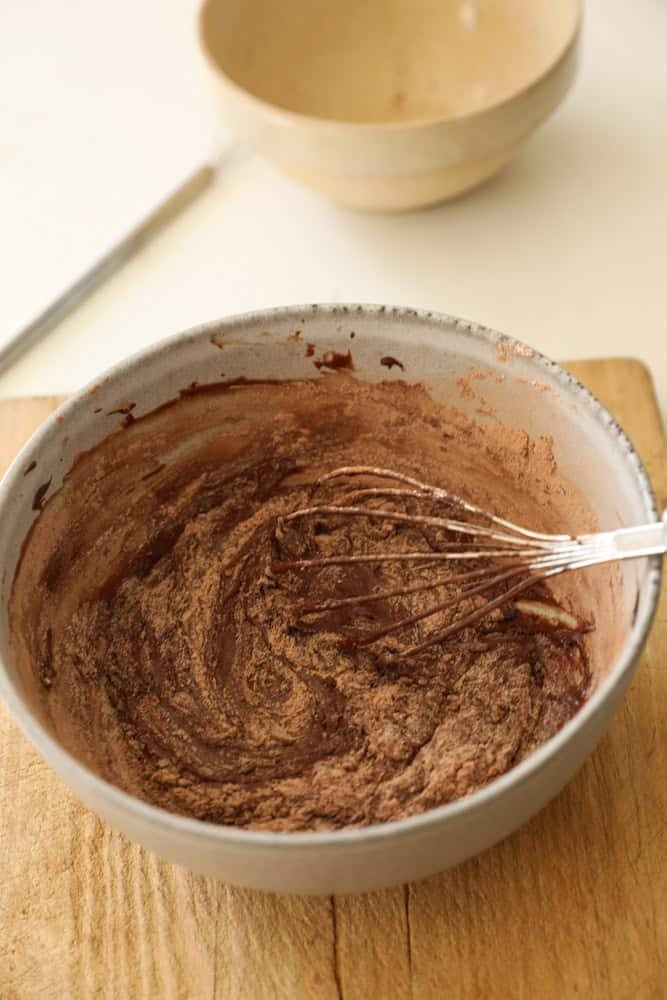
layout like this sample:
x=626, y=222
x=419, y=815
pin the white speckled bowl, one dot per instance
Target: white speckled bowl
x=590, y=448
x=387, y=104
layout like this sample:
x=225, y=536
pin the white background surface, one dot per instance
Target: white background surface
x=106, y=106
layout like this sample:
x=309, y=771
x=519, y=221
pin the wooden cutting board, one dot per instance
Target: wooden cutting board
x=573, y=905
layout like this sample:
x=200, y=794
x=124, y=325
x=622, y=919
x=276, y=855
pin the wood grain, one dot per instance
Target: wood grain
x=574, y=904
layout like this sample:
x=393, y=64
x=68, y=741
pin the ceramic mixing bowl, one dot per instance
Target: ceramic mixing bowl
x=522, y=388
x=387, y=104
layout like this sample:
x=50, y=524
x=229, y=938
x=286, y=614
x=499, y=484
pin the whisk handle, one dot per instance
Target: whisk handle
x=626, y=543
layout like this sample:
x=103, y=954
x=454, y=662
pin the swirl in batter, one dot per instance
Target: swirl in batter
x=169, y=659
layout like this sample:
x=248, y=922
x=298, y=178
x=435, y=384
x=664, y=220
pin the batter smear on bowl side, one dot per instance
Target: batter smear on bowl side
x=166, y=655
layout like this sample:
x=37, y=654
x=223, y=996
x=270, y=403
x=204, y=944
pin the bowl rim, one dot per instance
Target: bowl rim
x=231, y=836
x=290, y=117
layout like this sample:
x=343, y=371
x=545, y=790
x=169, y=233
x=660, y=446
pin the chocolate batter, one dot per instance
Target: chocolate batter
x=172, y=660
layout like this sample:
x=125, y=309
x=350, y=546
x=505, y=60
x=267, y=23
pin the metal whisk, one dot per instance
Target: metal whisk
x=520, y=557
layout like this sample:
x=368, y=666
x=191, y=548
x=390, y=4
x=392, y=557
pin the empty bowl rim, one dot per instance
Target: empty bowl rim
x=289, y=116
x=223, y=835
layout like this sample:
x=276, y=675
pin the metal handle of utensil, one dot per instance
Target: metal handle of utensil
x=107, y=265
x=622, y=543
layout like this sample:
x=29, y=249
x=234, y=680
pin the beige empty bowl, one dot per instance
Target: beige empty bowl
x=387, y=104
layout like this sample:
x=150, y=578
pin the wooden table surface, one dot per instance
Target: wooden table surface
x=573, y=905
